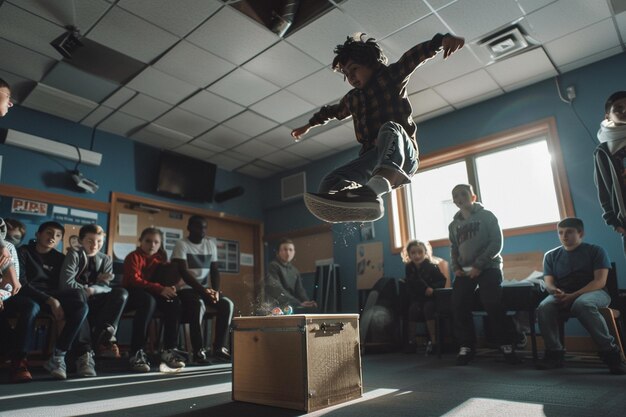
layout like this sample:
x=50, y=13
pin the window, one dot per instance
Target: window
x=524, y=163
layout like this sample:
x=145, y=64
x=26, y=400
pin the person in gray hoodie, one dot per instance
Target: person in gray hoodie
x=476, y=242
x=609, y=162
x=91, y=270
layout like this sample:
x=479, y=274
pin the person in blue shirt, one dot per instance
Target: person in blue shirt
x=575, y=274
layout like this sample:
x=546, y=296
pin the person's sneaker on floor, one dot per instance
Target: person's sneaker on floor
x=19, y=371
x=509, y=355
x=56, y=366
x=85, y=365
x=108, y=350
x=614, y=361
x=522, y=341
x=552, y=359
x=429, y=348
x=202, y=357
x=351, y=205
x=139, y=362
x=172, y=360
x=222, y=354
x=466, y=354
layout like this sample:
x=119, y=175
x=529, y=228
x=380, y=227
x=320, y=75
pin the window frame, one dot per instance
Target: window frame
x=468, y=152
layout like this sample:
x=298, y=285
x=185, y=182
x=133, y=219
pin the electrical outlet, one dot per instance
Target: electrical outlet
x=571, y=93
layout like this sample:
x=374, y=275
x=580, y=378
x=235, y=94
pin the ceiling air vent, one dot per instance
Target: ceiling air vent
x=505, y=43
x=293, y=186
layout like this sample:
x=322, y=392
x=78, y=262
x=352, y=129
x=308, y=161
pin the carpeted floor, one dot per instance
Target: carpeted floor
x=395, y=384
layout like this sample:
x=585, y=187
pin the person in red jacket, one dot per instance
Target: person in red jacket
x=145, y=295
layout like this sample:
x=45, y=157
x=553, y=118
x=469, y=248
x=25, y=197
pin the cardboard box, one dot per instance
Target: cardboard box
x=304, y=362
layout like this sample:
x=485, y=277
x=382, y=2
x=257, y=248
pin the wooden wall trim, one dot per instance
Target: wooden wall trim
x=166, y=205
x=53, y=198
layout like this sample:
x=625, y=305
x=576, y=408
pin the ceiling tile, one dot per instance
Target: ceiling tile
x=321, y=87
x=588, y=41
x=194, y=152
x=120, y=97
x=438, y=4
x=160, y=85
x=255, y=171
x=26, y=29
x=282, y=64
x=206, y=67
x=473, y=19
x=308, y=149
x=464, y=88
x=255, y=148
x=160, y=136
x=131, y=35
x=526, y=68
x=222, y=137
x=226, y=162
x=212, y=107
x=207, y=146
x=24, y=62
x=83, y=14
x=279, y=137
x=243, y=87
x=228, y=28
x=590, y=59
x=438, y=70
x=416, y=83
x=320, y=38
x=239, y=156
x=145, y=107
x=382, y=19
x=285, y=159
x=530, y=6
x=249, y=123
x=96, y=116
x=282, y=106
x=185, y=122
x=621, y=24
x=565, y=16
x=178, y=17
x=426, y=101
x=336, y=137
x=400, y=42
x=477, y=98
x=121, y=124
x=68, y=78
x=58, y=103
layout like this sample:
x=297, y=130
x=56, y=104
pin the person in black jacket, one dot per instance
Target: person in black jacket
x=422, y=277
x=40, y=266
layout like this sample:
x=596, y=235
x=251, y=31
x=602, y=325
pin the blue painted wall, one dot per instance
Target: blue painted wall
x=127, y=166
x=594, y=83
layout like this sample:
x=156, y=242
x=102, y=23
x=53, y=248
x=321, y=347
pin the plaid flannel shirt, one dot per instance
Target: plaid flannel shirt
x=383, y=99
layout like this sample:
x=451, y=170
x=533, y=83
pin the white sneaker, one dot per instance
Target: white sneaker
x=56, y=367
x=171, y=361
x=85, y=365
x=139, y=362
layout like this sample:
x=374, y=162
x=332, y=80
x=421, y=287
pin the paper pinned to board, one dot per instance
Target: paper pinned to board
x=121, y=250
x=127, y=224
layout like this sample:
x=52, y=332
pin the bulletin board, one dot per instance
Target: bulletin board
x=239, y=281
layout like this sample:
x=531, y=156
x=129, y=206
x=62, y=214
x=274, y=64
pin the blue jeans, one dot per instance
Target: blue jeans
x=394, y=150
x=26, y=310
x=585, y=309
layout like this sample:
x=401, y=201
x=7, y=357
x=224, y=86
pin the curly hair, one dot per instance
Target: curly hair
x=360, y=49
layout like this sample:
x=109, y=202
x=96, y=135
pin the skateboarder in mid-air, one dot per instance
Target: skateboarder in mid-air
x=383, y=125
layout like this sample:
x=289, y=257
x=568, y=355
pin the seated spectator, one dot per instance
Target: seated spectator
x=575, y=274
x=283, y=283
x=15, y=231
x=40, y=266
x=92, y=271
x=145, y=296
x=422, y=277
x=196, y=259
x=17, y=341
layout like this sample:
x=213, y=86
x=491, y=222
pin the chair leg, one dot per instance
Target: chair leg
x=613, y=322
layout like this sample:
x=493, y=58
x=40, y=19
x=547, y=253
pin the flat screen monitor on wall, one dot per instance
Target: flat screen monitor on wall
x=186, y=178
